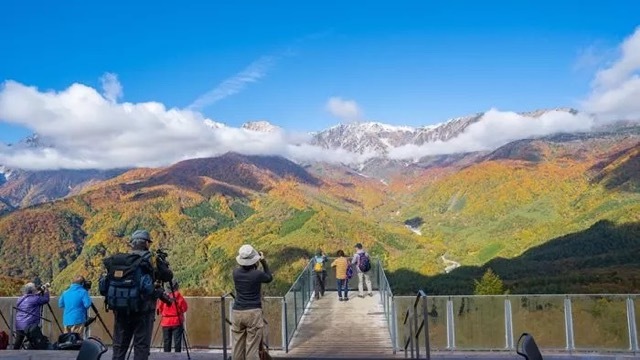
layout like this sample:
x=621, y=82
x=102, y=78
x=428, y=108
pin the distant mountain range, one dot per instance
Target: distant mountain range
x=19, y=188
x=552, y=214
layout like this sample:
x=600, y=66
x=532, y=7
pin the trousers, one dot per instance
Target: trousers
x=138, y=327
x=247, y=330
x=170, y=332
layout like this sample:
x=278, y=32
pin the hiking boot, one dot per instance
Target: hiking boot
x=371, y=294
x=341, y=299
x=346, y=299
x=361, y=296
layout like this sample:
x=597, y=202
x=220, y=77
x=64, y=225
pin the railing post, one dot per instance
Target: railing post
x=411, y=331
x=451, y=331
x=425, y=316
x=285, y=330
x=508, y=324
x=12, y=325
x=631, y=322
x=223, y=317
x=415, y=327
x=230, y=312
x=394, y=325
x=568, y=324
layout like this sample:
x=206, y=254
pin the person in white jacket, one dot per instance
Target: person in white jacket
x=363, y=265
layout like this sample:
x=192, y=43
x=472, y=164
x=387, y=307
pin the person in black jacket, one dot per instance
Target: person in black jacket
x=138, y=325
x=248, y=323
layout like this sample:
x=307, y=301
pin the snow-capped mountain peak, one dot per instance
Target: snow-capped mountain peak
x=260, y=126
x=213, y=124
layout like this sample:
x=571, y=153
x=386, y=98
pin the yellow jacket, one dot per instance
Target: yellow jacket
x=340, y=264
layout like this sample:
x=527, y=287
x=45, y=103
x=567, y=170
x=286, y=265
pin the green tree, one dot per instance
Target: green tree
x=490, y=284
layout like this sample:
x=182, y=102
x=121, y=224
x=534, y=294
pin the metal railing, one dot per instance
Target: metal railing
x=294, y=303
x=602, y=322
x=412, y=336
x=388, y=302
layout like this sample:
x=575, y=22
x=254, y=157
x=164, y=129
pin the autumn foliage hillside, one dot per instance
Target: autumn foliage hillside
x=472, y=210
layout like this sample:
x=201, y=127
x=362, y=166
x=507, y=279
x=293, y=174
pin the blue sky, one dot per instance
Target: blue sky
x=410, y=63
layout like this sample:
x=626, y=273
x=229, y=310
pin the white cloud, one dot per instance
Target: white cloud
x=346, y=110
x=111, y=87
x=497, y=128
x=616, y=88
x=233, y=85
x=88, y=130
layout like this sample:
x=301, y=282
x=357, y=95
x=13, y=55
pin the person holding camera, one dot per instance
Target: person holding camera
x=172, y=317
x=134, y=306
x=248, y=323
x=75, y=302
x=28, y=311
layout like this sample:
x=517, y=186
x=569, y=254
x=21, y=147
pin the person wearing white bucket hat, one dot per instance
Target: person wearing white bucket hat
x=248, y=323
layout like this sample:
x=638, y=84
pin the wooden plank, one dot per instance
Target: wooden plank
x=333, y=328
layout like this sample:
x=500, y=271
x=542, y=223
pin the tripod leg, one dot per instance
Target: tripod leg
x=186, y=342
x=155, y=334
x=55, y=318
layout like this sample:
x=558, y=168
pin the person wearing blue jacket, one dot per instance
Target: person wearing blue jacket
x=75, y=302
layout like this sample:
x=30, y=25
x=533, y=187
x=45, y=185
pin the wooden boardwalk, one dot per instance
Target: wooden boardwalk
x=343, y=329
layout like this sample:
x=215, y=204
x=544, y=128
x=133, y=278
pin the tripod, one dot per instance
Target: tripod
x=180, y=317
x=4, y=319
x=55, y=318
x=91, y=320
x=180, y=314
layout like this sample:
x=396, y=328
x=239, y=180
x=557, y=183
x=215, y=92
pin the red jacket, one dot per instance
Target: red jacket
x=169, y=312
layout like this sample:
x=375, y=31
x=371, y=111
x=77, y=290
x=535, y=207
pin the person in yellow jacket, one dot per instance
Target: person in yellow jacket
x=341, y=265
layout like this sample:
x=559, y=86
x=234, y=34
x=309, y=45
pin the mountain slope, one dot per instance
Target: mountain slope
x=469, y=209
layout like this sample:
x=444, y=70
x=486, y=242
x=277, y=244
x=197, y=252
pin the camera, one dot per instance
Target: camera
x=43, y=287
x=87, y=285
x=162, y=255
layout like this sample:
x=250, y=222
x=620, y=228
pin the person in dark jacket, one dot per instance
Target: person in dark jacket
x=139, y=326
x=75, y=302
x=248, y=322
x=28, y=313
x=172, y=318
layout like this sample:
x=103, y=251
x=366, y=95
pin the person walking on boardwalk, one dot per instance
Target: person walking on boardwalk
x=248, y=323
x=341, y=265
x=320, y=273
x=363, y=264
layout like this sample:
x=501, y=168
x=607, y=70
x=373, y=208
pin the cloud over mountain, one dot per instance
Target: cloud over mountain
x=88, y=129
x=616, y=88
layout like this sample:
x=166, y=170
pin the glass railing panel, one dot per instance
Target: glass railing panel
x=291, y=320
x=437, y=310
x=203, y=322
x=6, y=305
x=479, y=322
x=600, y=322
x=541, y=316
x=272, y=309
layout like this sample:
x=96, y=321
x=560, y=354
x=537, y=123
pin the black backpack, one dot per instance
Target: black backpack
x=128, y=284
x=37, y=340
x=68, y=341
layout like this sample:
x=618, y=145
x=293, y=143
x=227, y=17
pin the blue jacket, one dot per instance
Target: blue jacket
x=75, y=302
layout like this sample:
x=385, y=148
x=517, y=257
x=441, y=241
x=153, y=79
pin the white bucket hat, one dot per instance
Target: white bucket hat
x=247, y=255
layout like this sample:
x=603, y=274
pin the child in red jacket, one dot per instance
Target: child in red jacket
x=172, y=319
